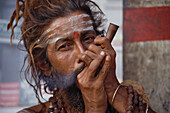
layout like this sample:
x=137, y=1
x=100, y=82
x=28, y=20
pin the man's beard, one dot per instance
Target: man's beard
x=73, y=99
x=69, y=91
x=63, y=81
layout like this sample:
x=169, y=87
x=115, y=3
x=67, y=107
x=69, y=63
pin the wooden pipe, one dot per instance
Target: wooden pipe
x=112, y=29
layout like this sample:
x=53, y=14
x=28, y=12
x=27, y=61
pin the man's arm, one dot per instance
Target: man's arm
x=120, y=102
x=91, y=83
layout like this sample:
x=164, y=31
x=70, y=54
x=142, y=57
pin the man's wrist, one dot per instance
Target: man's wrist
x=110, y=93
x=93, y=109
x=102, y=110
x=110, y=89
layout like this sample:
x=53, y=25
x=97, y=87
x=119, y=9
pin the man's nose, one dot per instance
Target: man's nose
x=81, y=48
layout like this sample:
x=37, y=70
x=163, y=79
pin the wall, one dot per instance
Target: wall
x=146, y=49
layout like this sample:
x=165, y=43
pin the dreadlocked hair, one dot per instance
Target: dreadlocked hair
x=37, y=14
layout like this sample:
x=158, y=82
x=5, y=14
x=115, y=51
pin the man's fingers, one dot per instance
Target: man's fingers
x=99, y=40
x=95, y=64
x=94, y=49
x=103, y=42
x=91, y=54
x=104, y=70
x=86, y=59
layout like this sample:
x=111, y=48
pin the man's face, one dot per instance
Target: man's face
x=68, y=37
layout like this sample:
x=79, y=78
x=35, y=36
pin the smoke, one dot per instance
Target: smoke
x=56, y=81
x=64, y=81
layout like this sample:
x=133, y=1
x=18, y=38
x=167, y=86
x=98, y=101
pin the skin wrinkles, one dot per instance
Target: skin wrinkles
x=68, y=33
x=65, y=59
x=71, y=19
x=68, y=54
x=73, y=28
x=85, y=35
x=66, y=30
x=73, y=24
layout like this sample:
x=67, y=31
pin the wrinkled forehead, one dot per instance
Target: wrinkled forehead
x=66, y=26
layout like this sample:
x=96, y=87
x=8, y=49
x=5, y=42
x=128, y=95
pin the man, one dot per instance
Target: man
x=68, y=54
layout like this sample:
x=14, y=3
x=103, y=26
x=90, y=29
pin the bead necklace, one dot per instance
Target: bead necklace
x=56, y=105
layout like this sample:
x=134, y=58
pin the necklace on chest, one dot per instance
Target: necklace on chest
x=56, y=105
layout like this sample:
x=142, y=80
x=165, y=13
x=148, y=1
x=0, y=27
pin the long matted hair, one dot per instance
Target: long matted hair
x=37, y=14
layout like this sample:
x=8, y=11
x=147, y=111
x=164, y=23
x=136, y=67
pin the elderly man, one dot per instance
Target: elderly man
x=68, y=55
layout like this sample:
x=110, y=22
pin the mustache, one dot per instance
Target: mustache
x=61, y=81
x=67, y=80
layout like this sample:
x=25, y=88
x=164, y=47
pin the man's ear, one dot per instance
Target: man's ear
x=45, y=67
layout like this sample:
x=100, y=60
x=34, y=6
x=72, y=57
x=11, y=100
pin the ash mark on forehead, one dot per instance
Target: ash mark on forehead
x=53, y=40
x=71, y=19
x=74, y=25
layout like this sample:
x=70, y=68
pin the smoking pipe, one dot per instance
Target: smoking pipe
x=112, y=29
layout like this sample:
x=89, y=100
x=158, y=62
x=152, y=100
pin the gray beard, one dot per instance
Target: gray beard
x=64, y=81
x=68, y=90
x=73, y=99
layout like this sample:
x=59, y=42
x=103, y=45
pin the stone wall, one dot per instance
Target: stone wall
x=146, y=48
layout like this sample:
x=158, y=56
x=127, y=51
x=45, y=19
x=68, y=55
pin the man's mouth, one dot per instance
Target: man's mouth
x=68, y=80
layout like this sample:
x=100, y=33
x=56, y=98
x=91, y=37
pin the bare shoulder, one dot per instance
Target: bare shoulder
x=24, y=111
x=41, y=108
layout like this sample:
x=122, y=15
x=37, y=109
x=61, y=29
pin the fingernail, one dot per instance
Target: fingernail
x=83, y=56
x=107, y=58
x=102, y=53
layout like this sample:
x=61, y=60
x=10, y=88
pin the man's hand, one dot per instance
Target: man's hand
x=111, y=82
x=91, y=79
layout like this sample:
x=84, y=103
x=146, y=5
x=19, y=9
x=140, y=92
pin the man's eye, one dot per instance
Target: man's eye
x=64, y=47
x=89, y=39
